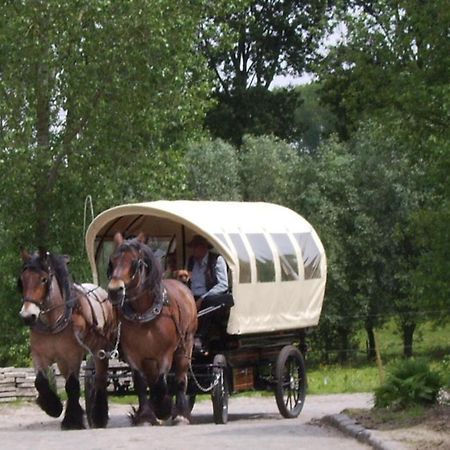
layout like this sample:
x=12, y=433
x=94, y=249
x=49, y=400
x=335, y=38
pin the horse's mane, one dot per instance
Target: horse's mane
x=153, y=281
x=56, y=264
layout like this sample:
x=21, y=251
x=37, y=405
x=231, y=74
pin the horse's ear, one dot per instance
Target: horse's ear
x=118, y=239
x=44, y=255
x=141, y=237
x=24, y=255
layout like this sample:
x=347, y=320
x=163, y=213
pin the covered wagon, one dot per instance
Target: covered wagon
x=277, y=275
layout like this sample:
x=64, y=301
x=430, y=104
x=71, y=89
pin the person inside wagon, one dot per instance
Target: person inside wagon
x=208, y=282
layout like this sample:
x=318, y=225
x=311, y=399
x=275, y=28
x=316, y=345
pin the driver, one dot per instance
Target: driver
x=209, y=281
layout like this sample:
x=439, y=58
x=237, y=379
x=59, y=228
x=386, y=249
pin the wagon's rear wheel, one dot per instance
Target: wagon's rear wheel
x=89, y=383
x=220, y=392
x=291, y=382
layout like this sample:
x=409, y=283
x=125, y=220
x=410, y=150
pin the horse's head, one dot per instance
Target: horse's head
x=130, y=265
x=35, y=283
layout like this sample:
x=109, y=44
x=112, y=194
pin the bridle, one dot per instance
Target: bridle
x=138, y=265
x=125, y=304
x=46, y=307
x=41, y=304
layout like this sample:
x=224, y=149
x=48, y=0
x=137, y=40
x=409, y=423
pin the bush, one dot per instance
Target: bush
x=445, y=372
x=409, y=382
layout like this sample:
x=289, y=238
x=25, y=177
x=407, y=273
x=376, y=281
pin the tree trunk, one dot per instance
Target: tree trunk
x=408, y=333
x=43, y=142
x=371, y=353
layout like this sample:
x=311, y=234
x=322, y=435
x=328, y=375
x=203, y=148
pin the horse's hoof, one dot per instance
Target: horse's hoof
x=163, y=408
x=50, y=404
x=140, y=417
x=180, y=420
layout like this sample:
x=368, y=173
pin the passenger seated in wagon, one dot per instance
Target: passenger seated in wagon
x=209, y=284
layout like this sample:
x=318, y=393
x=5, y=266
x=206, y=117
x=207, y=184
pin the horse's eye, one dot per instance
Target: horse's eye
x=44, y=280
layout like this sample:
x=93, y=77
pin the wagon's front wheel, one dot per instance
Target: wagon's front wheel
x=220, y=391
x=291, y=382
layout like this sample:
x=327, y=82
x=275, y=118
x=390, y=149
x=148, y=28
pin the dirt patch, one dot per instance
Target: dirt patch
x=435, y=418
x=418, y=428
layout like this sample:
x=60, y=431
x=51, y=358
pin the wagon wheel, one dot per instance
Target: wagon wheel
x=89, y=383
x=291, y=382
x=220, y=391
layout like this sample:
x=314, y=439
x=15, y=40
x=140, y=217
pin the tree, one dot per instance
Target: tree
x=98, y=98
x=313, y=121
x=255, y=111
x=87, y=85
x=393, y=65
x=326, y=195
x=212, y=167
x=387, y=183
x=362, y=197
x=247, y=45
x=267, y=167
x=393, y=61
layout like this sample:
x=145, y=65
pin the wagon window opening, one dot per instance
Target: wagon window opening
x=244, y=258
x=103, y=255
x=287, y=255
x=311, y=255
x=160, y=247
x=265, y=267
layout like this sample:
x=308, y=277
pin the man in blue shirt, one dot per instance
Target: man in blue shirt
x=209, y=281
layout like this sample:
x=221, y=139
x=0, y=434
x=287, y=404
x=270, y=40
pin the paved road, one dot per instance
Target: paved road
x=254, y=423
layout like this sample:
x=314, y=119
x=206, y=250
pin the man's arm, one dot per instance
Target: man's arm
x=222, y=278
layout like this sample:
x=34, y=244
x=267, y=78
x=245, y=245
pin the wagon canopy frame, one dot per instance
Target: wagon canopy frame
x=276, y=260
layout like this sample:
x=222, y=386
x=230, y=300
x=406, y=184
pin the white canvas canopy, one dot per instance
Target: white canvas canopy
x=276, y=260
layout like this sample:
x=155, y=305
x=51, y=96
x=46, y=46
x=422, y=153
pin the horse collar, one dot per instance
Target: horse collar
x=59, y=326
x=152, y=313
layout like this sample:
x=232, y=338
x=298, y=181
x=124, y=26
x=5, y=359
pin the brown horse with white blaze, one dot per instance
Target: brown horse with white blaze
x=159, y=319
x=66, y=321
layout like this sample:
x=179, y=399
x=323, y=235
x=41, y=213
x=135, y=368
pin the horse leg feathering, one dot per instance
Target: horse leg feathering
x=73, y=418
x=47, y=399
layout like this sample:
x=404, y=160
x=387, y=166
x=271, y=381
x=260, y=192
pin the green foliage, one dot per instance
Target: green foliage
x=393, y=62
x=391, y=70
x=444, y=371
x=87, y=87
x=255, y=111
x=312, y=121
x=247, y=44
x=408, y=382
x=212, y=170
x=326, y=195
x=267, y=167
x=98, y=98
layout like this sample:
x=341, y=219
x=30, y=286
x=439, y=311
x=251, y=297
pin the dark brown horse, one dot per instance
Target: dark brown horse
x=159, y=319
x=66, y=321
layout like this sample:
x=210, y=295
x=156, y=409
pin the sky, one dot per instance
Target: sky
x=285, y=81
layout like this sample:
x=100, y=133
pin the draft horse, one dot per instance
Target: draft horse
x=159, y=320
x=66, y=320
